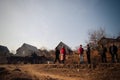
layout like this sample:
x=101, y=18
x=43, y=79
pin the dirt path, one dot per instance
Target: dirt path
x=40, y=74
x=59, y=72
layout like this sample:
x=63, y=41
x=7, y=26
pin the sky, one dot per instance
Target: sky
x=44, y=23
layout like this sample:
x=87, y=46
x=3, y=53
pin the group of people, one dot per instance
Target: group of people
x=60, y=54
x=81, y=51
x=113, y=52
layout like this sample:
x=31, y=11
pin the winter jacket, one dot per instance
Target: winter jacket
x=80, y=50
x=62, y=51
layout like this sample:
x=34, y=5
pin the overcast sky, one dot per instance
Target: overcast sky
x=47, y=22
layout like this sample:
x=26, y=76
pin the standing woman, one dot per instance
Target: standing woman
x=62, y=55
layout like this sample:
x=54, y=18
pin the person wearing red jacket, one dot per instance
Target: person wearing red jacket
x=80, y=52
x=62, y=54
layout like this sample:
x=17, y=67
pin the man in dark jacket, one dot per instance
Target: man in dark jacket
x=57, y=53
x=103, y=53
x=113, y=51
x=88, y=54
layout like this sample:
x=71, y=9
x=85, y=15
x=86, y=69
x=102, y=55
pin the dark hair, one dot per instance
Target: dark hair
x=87, y=44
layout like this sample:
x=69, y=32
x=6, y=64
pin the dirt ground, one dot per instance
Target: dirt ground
x=60, y=72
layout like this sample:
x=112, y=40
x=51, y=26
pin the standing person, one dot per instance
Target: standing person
x=103, y=53
x=80, y=51
x=62, y=55
x=88, y=52
x=57, y=53
x=113, y=51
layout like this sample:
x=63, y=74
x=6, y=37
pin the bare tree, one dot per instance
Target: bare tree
x=95, y=35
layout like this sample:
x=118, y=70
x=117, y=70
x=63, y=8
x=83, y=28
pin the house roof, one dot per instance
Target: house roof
x=61, y=44
x=118, y=38
x=106, y=40
x=4, y=50
x=27, y=50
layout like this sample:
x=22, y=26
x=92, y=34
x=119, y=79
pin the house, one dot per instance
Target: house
x=28, y=54
x=4, y=52
x=27, y=50
x=108, y=41
x=67, y=48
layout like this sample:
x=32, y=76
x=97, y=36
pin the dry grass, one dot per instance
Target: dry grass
x=72, y=70
x=60, y=72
